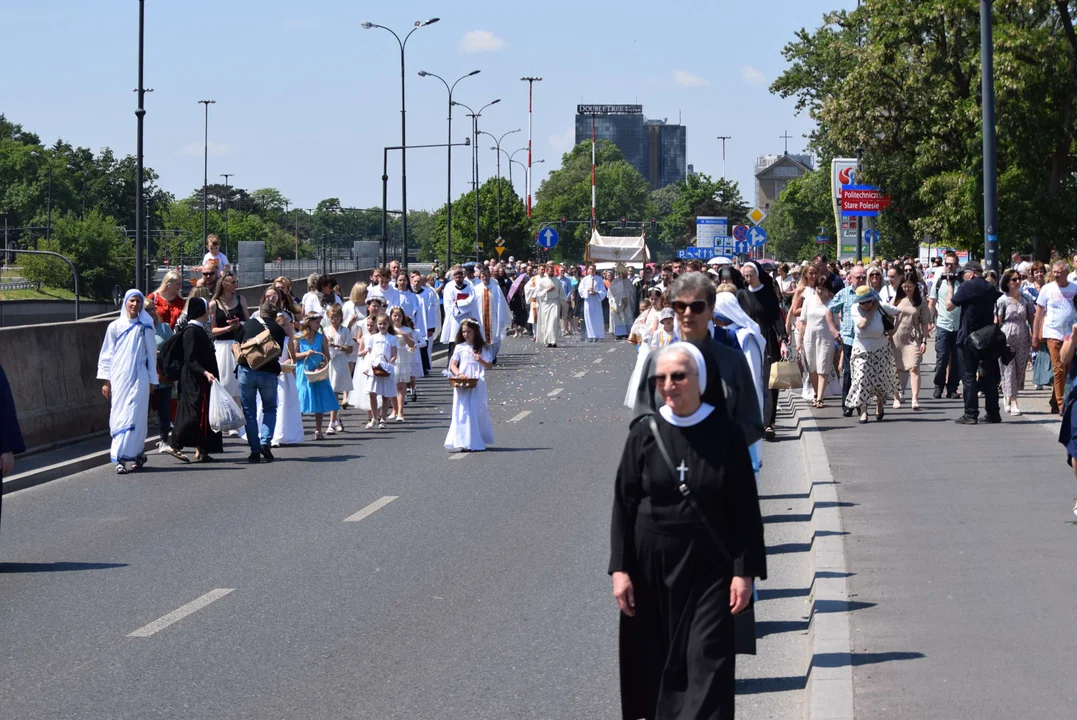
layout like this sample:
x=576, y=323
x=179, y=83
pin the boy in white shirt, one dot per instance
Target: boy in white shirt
x=213, y=245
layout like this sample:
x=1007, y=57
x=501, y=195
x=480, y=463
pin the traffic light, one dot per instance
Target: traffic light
x=654, y=225
x=624, y=223
x=564, y=223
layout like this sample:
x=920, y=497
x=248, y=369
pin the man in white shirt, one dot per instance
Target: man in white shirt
x=894, y=278
x=1054, y=320
x=459, y=300
x=382, y=286
x=431, y=303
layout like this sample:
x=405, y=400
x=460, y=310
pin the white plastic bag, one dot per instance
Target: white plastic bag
x=224, y=414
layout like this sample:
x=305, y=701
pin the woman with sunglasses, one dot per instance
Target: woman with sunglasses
x=1014, y=313
x=686, y=544
x=228, y=312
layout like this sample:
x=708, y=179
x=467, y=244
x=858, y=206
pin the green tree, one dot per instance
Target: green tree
x=103, y=256
x=701, y=196
x=802, y=209
x=620, y=192
x=515, y=225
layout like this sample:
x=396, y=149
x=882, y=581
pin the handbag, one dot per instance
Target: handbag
x=785, y=375
x=743, y=622
x=1042, y=372
x=888, y=323
x=258, y=351
x=989, y=341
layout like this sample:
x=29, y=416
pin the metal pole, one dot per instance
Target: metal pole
x=475, y=153
x=141, y=275
x=593, y=215
x=48, y=222
x=403, y=165
x=723, y=138
x=227, y=202
x=74, y=272
x=530, y=106
x=987, y=55
x=448, y=188
x=499, y=189
x=859, y=219
x=385, y=208
x=205, y=172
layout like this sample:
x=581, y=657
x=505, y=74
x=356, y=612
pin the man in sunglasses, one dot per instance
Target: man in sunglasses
x=693, y=304
x=946, y=327
x=210, y=275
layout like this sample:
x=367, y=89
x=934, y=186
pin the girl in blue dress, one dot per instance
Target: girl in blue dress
x=315, y=398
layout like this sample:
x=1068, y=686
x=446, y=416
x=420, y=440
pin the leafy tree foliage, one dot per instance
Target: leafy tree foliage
x=515, y=226
x=99, y=250
x=701, y=196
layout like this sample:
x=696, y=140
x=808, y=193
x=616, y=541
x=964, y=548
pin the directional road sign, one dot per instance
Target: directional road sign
x=695, y=253
x=548, y=238
x=740, y=247
x=871, y=236
x=757, y=236
x=756, y=215
x=740, y=232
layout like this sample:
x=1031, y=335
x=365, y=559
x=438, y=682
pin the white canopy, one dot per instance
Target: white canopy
x=603, y=266
x=720, y=260
x=617, y=249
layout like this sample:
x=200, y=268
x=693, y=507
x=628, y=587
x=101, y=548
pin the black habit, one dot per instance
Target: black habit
x=677, y=654
x=192, y=409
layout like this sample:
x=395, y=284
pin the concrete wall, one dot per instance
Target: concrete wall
x=35, y=312
x=52, y=369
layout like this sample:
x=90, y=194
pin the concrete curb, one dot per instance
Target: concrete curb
x=60, y=470
x=829, y=688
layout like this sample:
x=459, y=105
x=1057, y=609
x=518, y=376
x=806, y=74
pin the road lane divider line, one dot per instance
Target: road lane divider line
x=555, y=392
x=371, y=508
x=179, y=613
x=519, y=417
x=580, y=374
x=459, y=456
x=611, y=350
x=597, y=361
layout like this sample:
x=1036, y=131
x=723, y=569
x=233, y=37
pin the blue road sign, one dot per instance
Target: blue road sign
x=757, y=236
x=740, y=247
x=871, y=236
x=695, y=253
x=548, y=238
x=740, y=232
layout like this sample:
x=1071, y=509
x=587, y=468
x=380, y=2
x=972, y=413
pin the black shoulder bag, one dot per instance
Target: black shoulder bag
x=743, y=622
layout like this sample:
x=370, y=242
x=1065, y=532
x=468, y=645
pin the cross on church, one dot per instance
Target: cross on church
x=682, y=470
x=787, y=137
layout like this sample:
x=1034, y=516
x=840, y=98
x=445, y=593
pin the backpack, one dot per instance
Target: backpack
x=170, y=358
x=258, y=351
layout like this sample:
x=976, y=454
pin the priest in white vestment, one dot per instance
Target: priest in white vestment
x=547, y=294
x=622, y=298
x=592, y=290
x=493, y=309
x=459, y=299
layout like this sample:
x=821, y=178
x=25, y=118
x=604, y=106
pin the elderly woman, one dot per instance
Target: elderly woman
x=686, y=546
x=873, y=374
x=128, y=365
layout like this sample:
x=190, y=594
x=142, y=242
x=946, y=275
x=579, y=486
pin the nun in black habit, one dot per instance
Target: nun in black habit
x=199, y=371
x=686, y=546
x=759, y=299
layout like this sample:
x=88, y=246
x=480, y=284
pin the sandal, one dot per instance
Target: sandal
x=176, y=454
x=916, y=406
x=121, y=469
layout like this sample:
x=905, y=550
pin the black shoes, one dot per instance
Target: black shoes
x=267, y=453
x=254, y=458
x=965, y=420
x=847, y=412
x=937, y=394
x=769, y=435
x=953, y=395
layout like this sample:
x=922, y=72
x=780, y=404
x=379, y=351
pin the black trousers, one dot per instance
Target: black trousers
x=163, y=397
x=947, y=355
x=452, y=348
x=846, y=372
x=424, y=355
x=971, y=386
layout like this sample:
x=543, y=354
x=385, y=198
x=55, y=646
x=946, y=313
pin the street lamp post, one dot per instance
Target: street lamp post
x=448, y=164
x=859, y=219
x=530, y=95
x=497, y=147
x=141, y=273
x=475, y=158
x=403, y=126
x=227, y=202
x=205, y=172
x=987, y=58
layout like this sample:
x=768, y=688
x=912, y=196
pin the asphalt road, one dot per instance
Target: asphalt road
x=371, y=575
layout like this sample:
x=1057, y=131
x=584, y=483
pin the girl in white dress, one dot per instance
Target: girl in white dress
x=471, y=428
x=380, y=350
x=341, y=347
x=354, y=314
x=402, y=367
x=289, y=427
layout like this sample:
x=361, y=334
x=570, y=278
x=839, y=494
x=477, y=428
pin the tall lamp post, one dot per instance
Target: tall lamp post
x=448, y=164
x=497, y=147
x=723, y=138
x=859, y=219
x=403, y=127
x=475, y=158
x=142, y=279
x=987, y=58
x=227, y=202
x=530, y=94
x=205, y=172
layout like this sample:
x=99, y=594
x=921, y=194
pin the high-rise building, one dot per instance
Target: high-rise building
x=655, y=148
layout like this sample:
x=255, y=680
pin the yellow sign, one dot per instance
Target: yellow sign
x=756, y=215
x=499, y=251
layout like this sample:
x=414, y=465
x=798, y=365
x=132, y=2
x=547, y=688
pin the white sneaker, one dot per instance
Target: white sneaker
x=1014, y=410
x=330, y=430
x=391, y=417
x=1075, y=506
x=398, y=419
x=233, y=433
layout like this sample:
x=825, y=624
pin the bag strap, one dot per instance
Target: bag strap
x=686, y=492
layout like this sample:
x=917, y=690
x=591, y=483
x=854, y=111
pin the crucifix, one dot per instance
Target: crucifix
x=786, y=137
x=682, y=470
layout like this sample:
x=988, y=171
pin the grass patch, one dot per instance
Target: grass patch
x=44, y=293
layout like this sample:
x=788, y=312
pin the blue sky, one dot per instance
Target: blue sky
x=307, y=99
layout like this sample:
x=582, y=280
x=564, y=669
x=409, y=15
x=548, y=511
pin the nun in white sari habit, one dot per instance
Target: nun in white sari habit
x=128, y=365
x=730, y=319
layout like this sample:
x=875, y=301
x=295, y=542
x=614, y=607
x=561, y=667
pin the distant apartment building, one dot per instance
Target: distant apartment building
x=774, y=172
x=655, y=148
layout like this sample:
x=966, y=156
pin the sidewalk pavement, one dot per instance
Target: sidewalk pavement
x=959, y=543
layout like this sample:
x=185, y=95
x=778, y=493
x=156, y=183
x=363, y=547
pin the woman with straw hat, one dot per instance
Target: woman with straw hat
x=873, y=373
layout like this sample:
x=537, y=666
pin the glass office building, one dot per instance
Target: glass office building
x=654, y=147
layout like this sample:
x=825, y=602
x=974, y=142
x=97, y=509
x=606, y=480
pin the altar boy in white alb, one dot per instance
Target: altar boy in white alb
x=593, y=291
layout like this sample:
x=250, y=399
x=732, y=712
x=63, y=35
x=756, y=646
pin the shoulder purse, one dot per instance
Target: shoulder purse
x=743, y=622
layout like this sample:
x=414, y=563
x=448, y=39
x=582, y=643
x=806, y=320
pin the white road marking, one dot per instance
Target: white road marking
x=180, y=613
x=371, y=508
x=597, y=361
x=580, y=374
x=556, y=392
x=611, y=350
x=459, y=456
x=521, y=416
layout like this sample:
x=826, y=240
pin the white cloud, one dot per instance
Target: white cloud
x=476, y=41
x=563, y=143
x=215, y=149
x=750, y=76
x=686, y=79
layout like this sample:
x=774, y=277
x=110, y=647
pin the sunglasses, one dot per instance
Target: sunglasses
x=676, y=378
x=209, y=274
x=697, y=307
